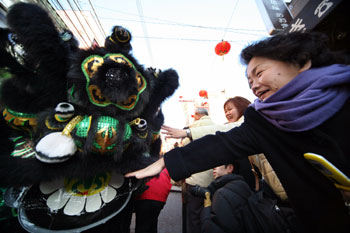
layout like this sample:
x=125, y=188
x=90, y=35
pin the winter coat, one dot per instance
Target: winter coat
x=269, y=175
x=205, y=177
x=318, y=205
x=259, y=160
x=199, y=132
x=229, y=195
x=158, y=188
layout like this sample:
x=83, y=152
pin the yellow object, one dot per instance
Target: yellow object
x=207, y=201
x=71, y=125
x=340, y=180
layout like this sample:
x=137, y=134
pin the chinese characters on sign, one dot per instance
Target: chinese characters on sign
x=276, y=13
x=313, y=13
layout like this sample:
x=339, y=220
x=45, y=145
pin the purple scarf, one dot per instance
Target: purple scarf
x=308, y=100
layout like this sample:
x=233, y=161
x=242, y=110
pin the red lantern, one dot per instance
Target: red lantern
x=203, y=93
x=222, y=48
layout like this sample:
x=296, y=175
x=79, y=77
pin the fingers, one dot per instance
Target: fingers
x=172, y=132
x=167, y=132
x=167, y=128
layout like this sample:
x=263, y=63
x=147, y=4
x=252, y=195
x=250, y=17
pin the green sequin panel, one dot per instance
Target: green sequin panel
x=106, y=135
x=127, y=133
x=106, y=121
x=83, y=127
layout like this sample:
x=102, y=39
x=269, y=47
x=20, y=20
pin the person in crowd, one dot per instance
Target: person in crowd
x=223, y=198
x=193, y=205
x=234, y=109
x=302, y=105
x=148, y=205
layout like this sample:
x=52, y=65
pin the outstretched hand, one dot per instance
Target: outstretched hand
x=152, y=170
x=173, y=133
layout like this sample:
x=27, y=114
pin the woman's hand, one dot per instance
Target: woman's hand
x=173, y=133
x=152, y=170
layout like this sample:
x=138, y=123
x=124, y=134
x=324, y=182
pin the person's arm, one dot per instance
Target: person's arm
x=173, y=132
x=152, y=170
x=211, y=151
x=198, y=132
x=207, y=152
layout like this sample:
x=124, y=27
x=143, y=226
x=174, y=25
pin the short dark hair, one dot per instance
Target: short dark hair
x=295, y=48
x=236, y=165
x=240, y=103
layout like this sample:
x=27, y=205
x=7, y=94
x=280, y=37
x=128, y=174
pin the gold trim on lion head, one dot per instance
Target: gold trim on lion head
x=90, y=67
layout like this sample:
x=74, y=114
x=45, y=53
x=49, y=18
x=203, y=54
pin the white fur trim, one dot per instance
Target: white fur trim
x=55, y=147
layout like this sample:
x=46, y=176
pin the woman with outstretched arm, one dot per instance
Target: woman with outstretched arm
x=302, y=106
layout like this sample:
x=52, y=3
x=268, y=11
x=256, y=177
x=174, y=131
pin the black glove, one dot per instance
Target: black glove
x=198, y=191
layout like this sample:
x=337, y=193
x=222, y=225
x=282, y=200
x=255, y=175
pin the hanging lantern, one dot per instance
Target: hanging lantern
x=203, y=93
x=222, y=48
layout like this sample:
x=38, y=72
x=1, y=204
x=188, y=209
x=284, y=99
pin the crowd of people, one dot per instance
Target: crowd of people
x=302, y=107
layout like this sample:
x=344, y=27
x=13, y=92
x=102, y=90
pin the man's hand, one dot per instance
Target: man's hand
x=173, y=133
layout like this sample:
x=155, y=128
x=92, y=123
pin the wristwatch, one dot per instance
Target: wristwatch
x=188, y=133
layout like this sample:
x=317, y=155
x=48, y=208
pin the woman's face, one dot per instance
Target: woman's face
x=267, y=76
x=231, y=112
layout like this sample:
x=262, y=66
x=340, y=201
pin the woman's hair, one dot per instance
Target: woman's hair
x=295, y=48
x=240, y=103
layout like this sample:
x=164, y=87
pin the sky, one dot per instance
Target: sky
x=182, y=35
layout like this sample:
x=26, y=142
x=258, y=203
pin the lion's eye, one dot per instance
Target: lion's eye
x=91, y=65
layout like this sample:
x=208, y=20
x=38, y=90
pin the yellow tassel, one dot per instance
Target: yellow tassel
x=71, y=125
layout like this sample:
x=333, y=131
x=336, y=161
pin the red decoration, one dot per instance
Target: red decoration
x=222, y=48
x=203, y=93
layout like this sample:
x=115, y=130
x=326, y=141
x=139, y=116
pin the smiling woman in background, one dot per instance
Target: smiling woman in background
x=303, y=106
x=234, y=109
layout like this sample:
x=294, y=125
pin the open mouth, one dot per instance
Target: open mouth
x=260, y=94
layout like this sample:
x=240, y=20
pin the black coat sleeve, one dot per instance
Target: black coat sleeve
x=211, y=151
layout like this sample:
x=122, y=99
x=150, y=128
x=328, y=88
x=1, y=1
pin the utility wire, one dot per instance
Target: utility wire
x=87, y=22
x=232, y=30
x=64, y=11
x=187, y=39
x=148, y=43
x=98, y=21
x=168, y=22
x=229, y=22
x=82, y=26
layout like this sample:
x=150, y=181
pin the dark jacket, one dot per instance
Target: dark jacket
x=229, y=194
x=317, y=203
